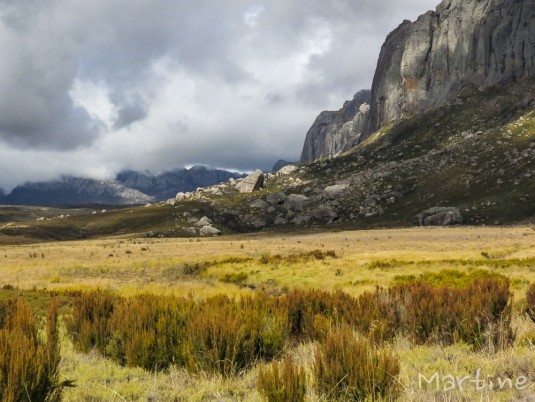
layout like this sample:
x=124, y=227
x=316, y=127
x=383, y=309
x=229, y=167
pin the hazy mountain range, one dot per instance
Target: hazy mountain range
x=129, y=187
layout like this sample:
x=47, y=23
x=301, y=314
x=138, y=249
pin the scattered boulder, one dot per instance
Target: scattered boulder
x=296, y=202
x=371, y=201
x=440, y=216
x=258, y=224
x=286, y=170
x=171, y=202
x=259, y=204
x=279, y=220
x=180, y=196
x=276, y=198
x=334, y=192
x=209, y=231
x=324, y=214
x=254, y=181
x=204, y=221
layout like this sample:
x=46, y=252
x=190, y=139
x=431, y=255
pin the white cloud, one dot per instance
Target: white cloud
x=93, y=87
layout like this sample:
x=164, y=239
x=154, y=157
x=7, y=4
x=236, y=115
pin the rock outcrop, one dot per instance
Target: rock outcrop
x=425, y=63
x=440, y=216
x=254, y=181
x=335, y=132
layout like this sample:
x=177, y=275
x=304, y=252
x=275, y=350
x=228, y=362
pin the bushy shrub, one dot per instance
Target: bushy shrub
x=29, y=365
x=352, y=369
x=282, y=382
x=227, y=336
x=530, y=298
x=90, y=321
x=237, y=278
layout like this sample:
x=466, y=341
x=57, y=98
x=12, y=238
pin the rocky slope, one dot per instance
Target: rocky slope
x=335, y=132
x=76, y=191
x=464, y=42
x=168, y=184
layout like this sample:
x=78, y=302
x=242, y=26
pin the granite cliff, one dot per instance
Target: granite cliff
x=463, y=44
x=335, y=132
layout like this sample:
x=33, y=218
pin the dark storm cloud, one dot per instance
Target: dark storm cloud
x=159, y=84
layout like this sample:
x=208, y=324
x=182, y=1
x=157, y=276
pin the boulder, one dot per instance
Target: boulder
x=296, y=202
x=440, y=216
x=334, y=192
x=254, y=181
x=324, y=214
x=204, y=221
x=286, y=170
x=279, y=220
x=209, y=230
x=259, y=204
x=180, y=196
x=276, y=198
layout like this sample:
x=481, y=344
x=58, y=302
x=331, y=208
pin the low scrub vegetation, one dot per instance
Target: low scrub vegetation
x=349, y=368
x=282, y=382
x=227, y=336
x=530, y=298
x=29, y=364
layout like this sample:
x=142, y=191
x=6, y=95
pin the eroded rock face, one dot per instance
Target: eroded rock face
x=335, y=132
x=425, y=63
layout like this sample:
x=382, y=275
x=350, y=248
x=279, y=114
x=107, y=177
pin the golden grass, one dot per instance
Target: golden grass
x=132, y=266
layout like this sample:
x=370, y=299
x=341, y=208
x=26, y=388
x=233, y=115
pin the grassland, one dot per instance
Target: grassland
x=353, y=262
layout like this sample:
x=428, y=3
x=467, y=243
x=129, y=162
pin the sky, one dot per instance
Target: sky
x=90, y=88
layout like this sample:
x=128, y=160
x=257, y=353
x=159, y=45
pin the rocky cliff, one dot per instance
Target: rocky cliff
x=425, y=63
x=335, y=132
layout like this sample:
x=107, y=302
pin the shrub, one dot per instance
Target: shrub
x=89, y=324
x=282, y=382
x=253, y=329
x=530, y=298
x=148, y=331
x=29, y=366
x=350, y=368
x=238, y=278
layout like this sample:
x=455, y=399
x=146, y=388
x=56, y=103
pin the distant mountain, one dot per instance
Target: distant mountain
x=76, y=191
x=168, y=184
x=2, y=196
x=130, y=187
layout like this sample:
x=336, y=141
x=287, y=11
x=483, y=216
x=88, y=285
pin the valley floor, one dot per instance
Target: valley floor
x=354, y=262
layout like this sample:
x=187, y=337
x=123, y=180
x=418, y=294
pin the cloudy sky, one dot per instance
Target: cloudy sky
x=92, y=87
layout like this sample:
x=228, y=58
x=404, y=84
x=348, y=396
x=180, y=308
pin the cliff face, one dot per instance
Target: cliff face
x=335, y=132
x=425, y=63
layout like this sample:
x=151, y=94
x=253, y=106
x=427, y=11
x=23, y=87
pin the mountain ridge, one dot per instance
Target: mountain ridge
x=129, y=187
x=426, y=63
